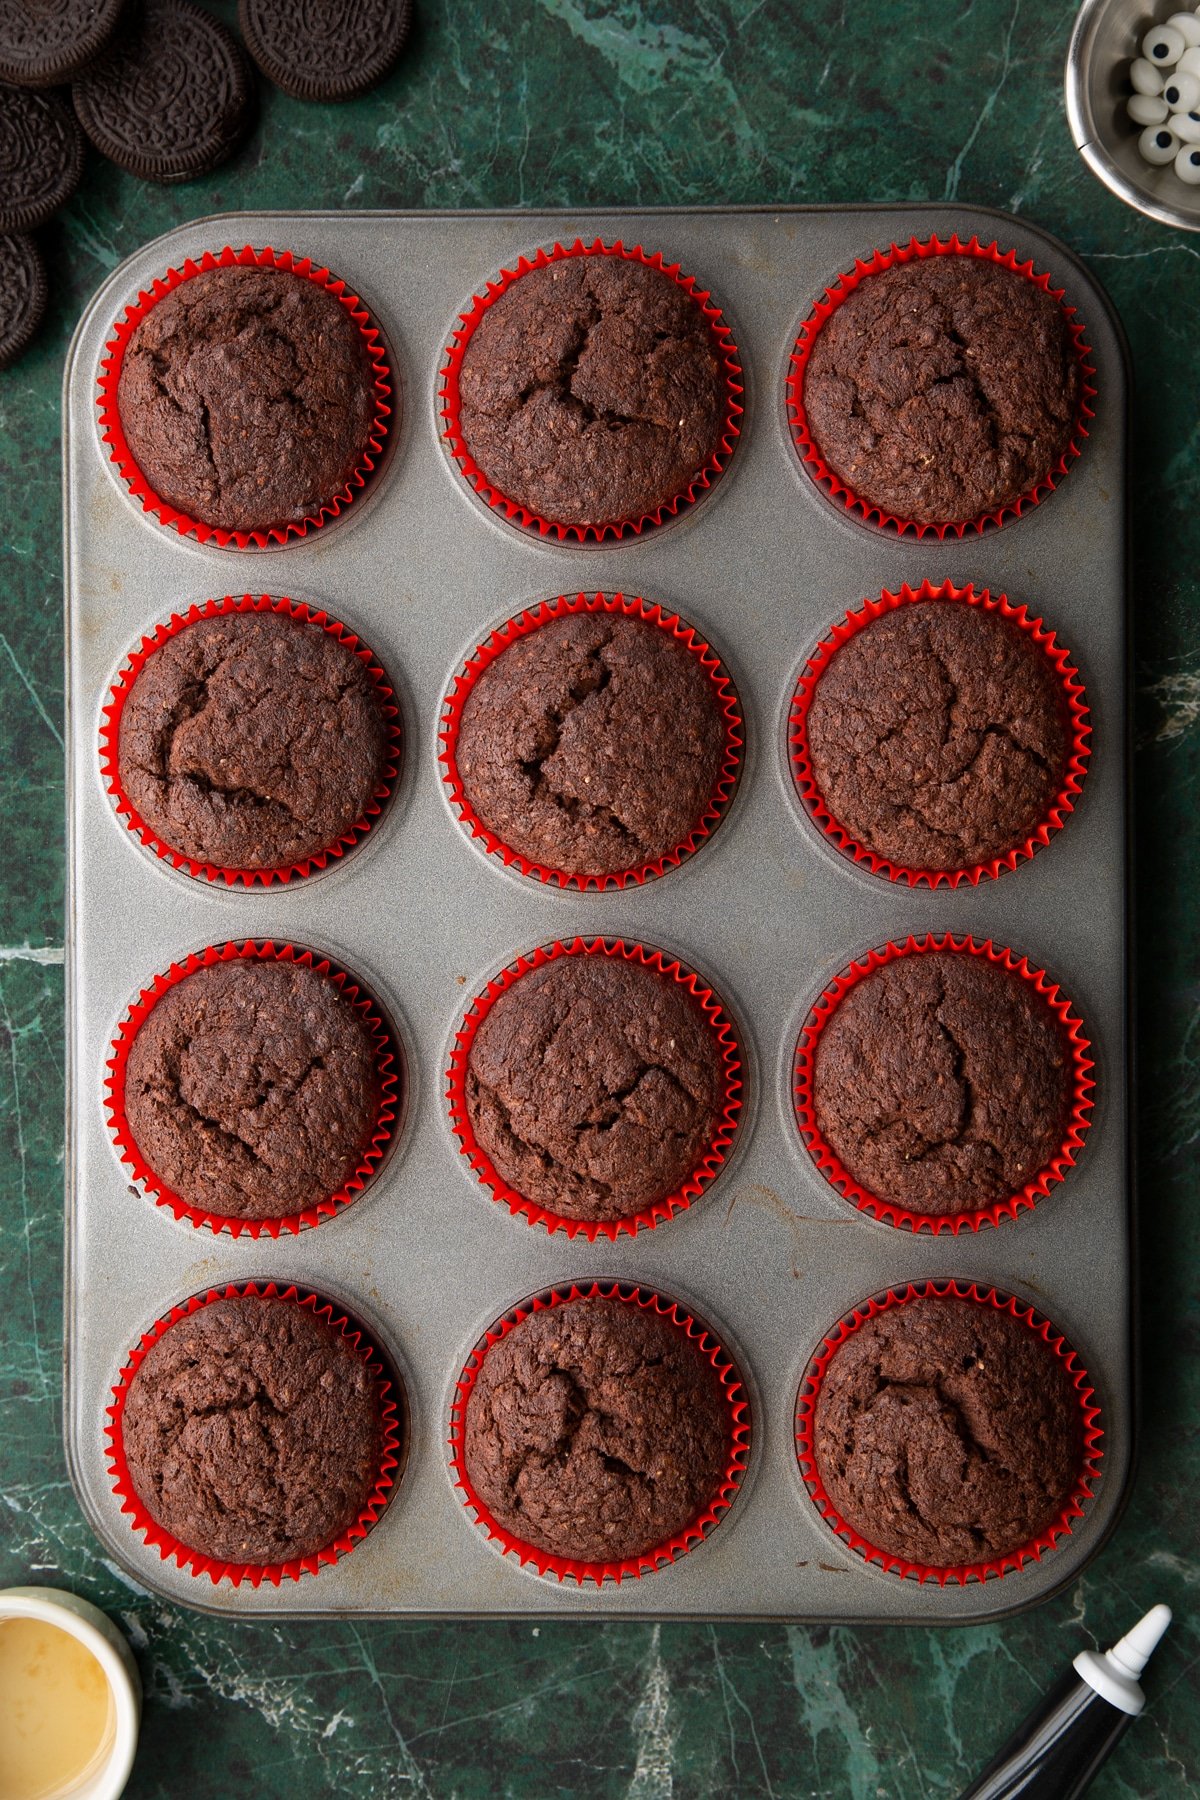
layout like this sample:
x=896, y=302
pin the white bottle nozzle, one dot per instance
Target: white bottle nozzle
x=1114, y=1673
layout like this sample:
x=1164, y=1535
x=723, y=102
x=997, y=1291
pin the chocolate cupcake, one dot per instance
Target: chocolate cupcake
x=253, y=1432
x=943, y=388
x=592, y=744
x=252, y=1088
x=594, y=1085
x=252, y=740
x=947, y=1432
x=942, y=1082
x=247, y=397
x=939, y=735
x=592, y=391
x=596, y=1431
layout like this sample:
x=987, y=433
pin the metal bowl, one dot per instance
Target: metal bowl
x=1105, y=40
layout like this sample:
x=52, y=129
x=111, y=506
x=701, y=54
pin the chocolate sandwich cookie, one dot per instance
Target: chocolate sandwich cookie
x=54, y=41
x=41, y=157
x=171, y=99
x=333, y=50
x=22, y=295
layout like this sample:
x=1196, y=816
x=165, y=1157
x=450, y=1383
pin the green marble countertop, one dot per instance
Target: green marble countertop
x=646, y=102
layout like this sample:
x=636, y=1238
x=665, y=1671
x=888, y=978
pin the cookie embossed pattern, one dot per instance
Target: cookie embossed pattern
x=698, y=920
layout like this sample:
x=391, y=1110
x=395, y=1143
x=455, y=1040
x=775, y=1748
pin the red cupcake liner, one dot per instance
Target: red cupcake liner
x=530, y=620
x=706, y=1169
x=113, y=435
x=386, y=1065
x=845, y=284
x=1039, y=1185
x=1073, y=701
x=196, y=1562
x=110, y=734
x=697, y=1332
x=513, y=510
x=1090, y=1427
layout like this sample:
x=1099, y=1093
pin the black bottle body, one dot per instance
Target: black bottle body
x=1058, y=1749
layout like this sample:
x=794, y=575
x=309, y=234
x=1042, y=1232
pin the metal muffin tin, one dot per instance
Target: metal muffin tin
x=769, y=1255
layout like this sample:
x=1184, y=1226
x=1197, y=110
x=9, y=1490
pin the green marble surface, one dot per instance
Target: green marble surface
x=573, y=102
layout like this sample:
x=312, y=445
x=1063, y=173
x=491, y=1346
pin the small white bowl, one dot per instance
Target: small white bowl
x=1105, y=40
x=86, y=1623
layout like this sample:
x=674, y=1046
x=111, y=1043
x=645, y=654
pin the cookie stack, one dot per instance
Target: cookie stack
x=160, y=88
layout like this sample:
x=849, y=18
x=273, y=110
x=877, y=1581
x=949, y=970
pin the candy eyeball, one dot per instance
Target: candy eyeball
x=1145, y=77
x=1162, y=47
x=1182, y=91
x=1144, y=109
x=1165, y=101
x=1158, y=145
x=1187, y=25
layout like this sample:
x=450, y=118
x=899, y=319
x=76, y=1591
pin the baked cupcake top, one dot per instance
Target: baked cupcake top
x=938, y=735
x=592, y=744
x=596, y=1431
x=942, y=389
x=942, y=1082
x=946, y=1432
x=251, y=741
x=247, y=397
x=252, y=1088
x=591, y=391
x=594, y=1085
x=253, y=1431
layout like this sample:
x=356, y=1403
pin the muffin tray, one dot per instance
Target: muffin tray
x=767, y=910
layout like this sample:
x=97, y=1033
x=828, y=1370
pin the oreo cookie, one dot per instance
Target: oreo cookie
x=41, y=157
x=54, y=40
x=325, y=49
x=22, y=295
x=172, y=98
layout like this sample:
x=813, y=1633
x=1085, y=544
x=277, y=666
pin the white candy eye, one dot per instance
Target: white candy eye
x=1186, y=127
x=1158, y=145
x=1144, y=109
x=1187, y=165
x=1189, y=62
x=1162, y=47
x=1144, y=76
x=1187, y=25
x=1182, y=91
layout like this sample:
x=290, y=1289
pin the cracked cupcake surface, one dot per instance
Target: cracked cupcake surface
x=942, y=1082
x=596, y=1431
x=943, y=388
x=592, y=391
x=253, y=1432
x=252, y=1089
x=946, y=1432
x=251, y=741
x=594, y=1085
x=591, y=745
x=938, y=735
x=247, y=398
